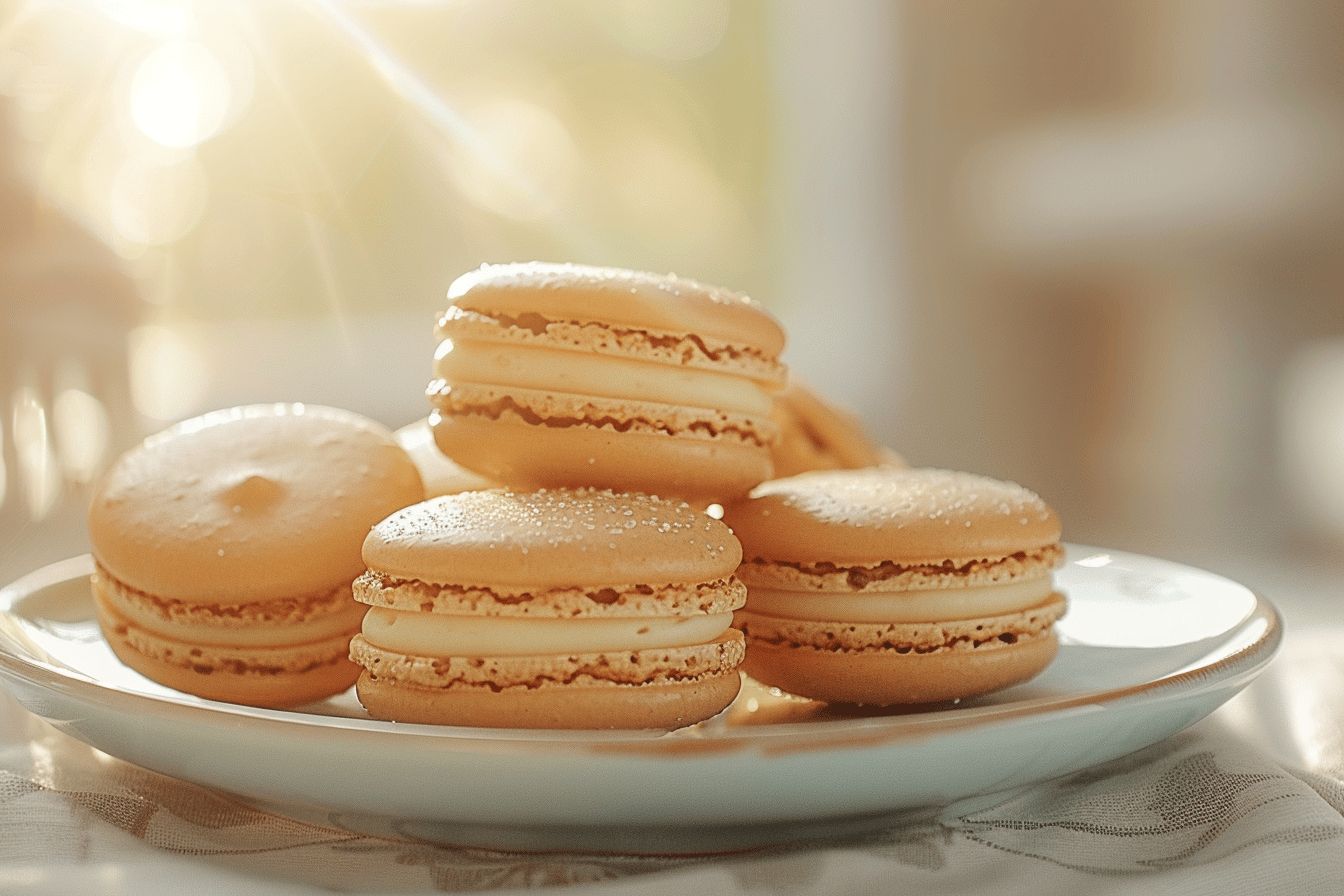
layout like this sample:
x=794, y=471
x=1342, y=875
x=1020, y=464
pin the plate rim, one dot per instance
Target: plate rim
x=786, y=737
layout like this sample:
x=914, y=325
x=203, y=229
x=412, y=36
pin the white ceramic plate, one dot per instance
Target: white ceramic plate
x=1148, y=647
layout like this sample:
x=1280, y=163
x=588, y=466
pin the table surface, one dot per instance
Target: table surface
x=1250, y=800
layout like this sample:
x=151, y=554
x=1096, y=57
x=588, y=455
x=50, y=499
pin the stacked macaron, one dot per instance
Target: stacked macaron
x=568, y=375
x=549, y=609
x=564, y=606
x=226, y=545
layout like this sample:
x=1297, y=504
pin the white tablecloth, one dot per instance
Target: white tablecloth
x=1249, y=801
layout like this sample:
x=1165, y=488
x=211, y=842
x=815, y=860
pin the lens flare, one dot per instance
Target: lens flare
x=38, y=473
x=82, y=432
x=168, y=374
x=525, y=137
x=179, y=94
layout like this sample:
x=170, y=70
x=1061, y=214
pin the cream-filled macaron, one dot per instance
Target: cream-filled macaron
x=551, y=375
x=887, y=586
x=226, y=545
x=549, y=609
x=817, y=435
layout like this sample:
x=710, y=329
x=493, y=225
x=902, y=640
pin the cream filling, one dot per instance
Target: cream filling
x=261, y=634
x=441, y=634
x=555, y=370
x=934, y=605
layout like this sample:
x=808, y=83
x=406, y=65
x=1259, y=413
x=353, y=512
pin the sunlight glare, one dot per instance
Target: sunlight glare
x=180, y=94
x=38, y=473
x=164, y=17
x=466, y=139
x=168, y=374
x=524, y=137
x=81, y=426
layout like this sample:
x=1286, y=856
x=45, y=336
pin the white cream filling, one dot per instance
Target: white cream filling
x=934, y=605
x=555, y=370
x=441, y=634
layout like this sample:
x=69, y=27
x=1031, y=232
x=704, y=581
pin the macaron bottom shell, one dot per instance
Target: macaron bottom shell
x=614, y=706
x=654, y=688
x=577, y=453
x=885, y=664
x=885, y=677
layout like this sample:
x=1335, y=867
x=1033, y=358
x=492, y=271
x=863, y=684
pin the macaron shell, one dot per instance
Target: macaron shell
x=703, y=470
x=650, y=706
x=249, y=504
x=916, y=516
x=887, y=678
x=889, y=576
x=621, y=601
x=552, y=539
x=662, y=688
x=440, y=475
x=631, y=298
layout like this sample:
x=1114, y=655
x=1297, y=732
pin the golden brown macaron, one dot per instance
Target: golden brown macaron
x=887, y=586
x=549, y=609
x=817, y=435
x=225, y=548
x=440, y=475
x=556, y=375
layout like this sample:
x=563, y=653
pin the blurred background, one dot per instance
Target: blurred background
x=1095, y=248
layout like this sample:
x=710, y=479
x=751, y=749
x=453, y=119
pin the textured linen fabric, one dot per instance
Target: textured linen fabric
x=1249, y=801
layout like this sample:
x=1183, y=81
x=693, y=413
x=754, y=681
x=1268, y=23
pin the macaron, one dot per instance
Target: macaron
x=440, y=475
x=561, y=375
x=887, y=586
x=817, y=435
x=226, y=545
x=551, y=609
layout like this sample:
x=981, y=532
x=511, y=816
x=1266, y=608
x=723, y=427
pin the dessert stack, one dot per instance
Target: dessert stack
x=554, y=564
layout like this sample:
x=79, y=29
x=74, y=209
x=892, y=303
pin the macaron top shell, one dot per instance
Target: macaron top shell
x=552, y=539
x=619, y=297
x=876, y=515
x=249, y=504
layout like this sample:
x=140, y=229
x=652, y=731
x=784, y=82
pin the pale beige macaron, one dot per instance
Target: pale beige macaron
x=550, y=609
x=551, y=375
x=440, y=475
x=226, y=545
x=817, y=435
x=888, y=586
